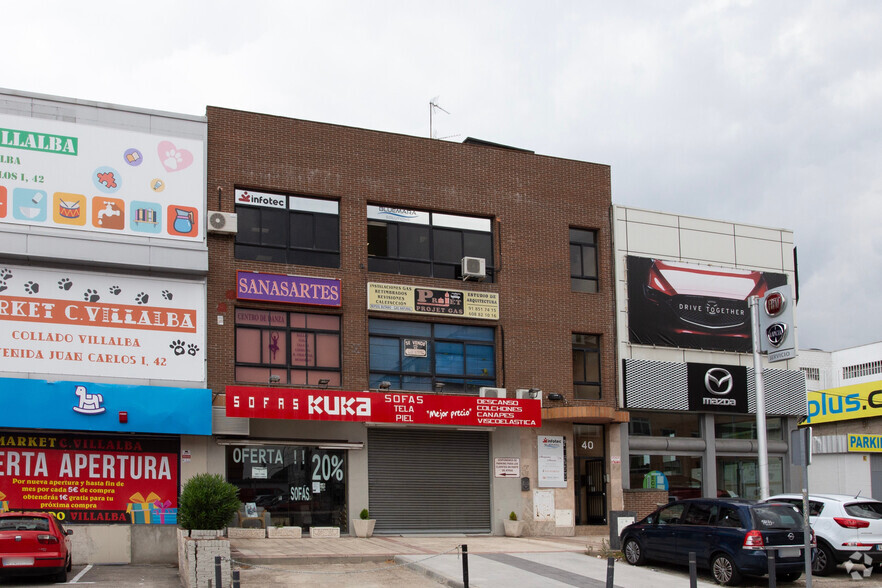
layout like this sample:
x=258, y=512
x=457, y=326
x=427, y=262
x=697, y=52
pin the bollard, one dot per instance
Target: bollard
x=465, y=566
x=217, y=571
x=773, y=580
x=610, y=571
x=236, y=578
x=693, y=570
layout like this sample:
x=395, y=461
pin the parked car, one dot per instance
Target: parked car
x=34, y=544
x=730, y=536
x=843, y=525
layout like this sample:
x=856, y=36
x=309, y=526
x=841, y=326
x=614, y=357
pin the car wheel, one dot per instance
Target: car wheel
x=633, y=553
x=61, y=577
x=69, y=563
x=788, y=577
x=724, y=570
x=824, y=563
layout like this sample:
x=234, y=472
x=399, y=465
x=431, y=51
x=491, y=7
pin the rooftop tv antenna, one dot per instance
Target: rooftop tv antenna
x=433, y=104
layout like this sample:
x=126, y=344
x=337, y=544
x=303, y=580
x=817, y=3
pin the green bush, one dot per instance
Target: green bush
x=512, y=516
x=207, y=502
x=364, y=514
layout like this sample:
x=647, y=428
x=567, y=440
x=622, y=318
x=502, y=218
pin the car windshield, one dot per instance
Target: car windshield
x=865, y=510
x=776, y=516
x=24, y=523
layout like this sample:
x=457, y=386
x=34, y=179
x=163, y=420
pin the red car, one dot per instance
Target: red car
x=34, y=544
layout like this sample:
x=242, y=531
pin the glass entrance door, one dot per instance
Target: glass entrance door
x=590, y=492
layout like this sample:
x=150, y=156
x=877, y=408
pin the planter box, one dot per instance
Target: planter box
x=243, y=533
x=363, y=527
x=284, y=532
x=325, y=532
x=513, y=528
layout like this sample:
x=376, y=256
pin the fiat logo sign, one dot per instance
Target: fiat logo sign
x=775, y=303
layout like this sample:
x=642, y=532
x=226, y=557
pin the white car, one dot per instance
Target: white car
x=843, y=525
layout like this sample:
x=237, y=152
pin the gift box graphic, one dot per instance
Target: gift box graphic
x=140, y=508
x=163, y=514
x=4, y=504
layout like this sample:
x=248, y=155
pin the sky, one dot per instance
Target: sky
x=765, y=113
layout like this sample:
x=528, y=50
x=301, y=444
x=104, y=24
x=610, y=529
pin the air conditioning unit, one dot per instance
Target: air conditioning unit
x=474, y=268
x=492, y=392
x=524, y=393
x=222, y=222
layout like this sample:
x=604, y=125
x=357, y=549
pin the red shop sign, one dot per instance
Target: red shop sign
x=381, y=407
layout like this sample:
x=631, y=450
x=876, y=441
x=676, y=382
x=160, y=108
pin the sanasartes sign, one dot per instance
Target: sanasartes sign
x=717, y=388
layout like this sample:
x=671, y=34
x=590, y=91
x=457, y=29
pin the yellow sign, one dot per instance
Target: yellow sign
x=865, y=443
x=439, y=301
x=848, y=402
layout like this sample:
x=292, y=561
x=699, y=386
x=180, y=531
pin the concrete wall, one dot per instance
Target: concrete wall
x=840, y=473
x=123, y=544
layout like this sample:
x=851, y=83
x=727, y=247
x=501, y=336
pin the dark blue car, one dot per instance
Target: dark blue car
x=730, y=536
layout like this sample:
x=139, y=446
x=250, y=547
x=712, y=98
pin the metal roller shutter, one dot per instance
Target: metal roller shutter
x=424, y=481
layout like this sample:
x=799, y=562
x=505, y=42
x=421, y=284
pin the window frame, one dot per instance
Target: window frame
x=284, y=249
x=584, y=349
x=590, y=282
x=289, y=366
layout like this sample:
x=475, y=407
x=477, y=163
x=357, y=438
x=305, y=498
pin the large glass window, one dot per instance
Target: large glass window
x=430, y=244
x=664, y=424
x=298, y=348
x=418, y=356
x=583, y=260
x=681, y=473
x=299, y=485
x=586, y=366
x=739, y=476
x=744, y=427
x=300, y=231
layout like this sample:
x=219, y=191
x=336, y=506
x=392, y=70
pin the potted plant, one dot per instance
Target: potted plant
x=513, y=527
x=364, y=524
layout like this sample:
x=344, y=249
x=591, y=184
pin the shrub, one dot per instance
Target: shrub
x=207, y=502
x=364, y=514
x=512, y=516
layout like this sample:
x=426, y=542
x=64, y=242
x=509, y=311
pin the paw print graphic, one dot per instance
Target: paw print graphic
x=142, y=298
x=91, y=295
x=3, y=285
x=32, y=287
x=64, y=284
x=5, y=274
x=192, y=349
x=115, y=290
x=173, y=159
x=167, y=295
x=178, y=347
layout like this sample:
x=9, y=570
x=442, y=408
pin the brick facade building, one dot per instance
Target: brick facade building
x=405, y=211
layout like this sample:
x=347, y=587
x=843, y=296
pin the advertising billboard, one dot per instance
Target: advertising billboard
x=858, y=401
x=90, y=324
x=674, y=304
x=378, y=407
x=419, y=300
x=83, y=177
x=89, y=478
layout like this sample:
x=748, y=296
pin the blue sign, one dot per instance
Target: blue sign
x=87, y=406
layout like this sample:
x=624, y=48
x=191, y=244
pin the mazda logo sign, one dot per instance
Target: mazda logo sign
x=718, y=381
x=776, y=334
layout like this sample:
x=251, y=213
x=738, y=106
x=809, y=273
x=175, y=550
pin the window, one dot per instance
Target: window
x=586, y=367
x=583, y=260
x=430, y=244
x=739, y=476
x=744, y=427
x=417, y=356
x=729, y=517
x=860, y=370
x=700, y=513
x=664, y=424
x=671, y=515
x=682, y=474
x=811, y=373
x=288, y=229
x=299, y=348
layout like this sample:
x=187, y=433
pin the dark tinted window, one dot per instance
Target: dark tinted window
x=671, y=515
x=864, y=510
x=700, y=513
x=729, y=517
x=583, y=260
x=776, y=516
x=25, y=523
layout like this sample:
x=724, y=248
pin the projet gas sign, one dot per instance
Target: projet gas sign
x=848, y=402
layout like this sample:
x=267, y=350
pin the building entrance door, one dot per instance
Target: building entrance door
x=590, y=486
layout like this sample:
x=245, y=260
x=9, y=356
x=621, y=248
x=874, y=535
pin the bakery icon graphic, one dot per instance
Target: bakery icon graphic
x=89, y=403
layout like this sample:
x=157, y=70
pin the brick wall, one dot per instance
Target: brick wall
x=532, y=199
x=644, y=501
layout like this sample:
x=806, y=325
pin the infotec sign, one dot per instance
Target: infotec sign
x=261, y=199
